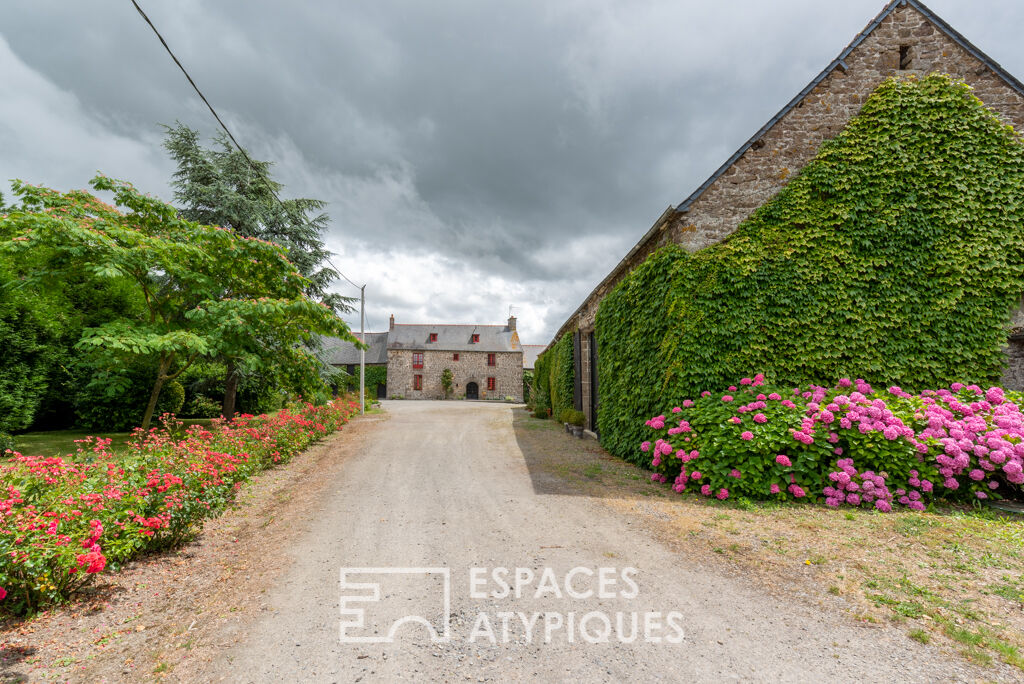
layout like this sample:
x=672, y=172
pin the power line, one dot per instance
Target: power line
x=216, y=116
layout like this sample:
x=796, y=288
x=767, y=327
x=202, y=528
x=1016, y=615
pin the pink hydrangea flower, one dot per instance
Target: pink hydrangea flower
x=706, y=490
x=784, y=461
x=747, y=435
x=722, y=494
x=760, y=418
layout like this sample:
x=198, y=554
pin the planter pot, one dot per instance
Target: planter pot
x=577, y=431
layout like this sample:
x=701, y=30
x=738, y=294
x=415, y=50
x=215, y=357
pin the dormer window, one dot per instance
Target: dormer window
x=433, y=337
x=475, y=339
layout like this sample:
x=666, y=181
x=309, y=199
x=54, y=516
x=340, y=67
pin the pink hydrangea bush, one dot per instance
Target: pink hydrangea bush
x=64, y=520
x=847, y=445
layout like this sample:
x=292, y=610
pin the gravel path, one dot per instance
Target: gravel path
x=445, y=485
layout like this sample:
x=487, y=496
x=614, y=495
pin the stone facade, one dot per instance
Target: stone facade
x=906, y=38
x=471, y=367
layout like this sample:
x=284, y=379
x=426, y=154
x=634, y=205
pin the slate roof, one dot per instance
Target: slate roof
x=530, y=354
x=493, y=338
x=340, y=353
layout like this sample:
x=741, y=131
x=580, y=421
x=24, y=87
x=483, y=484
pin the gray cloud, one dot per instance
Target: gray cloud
x=475, y=155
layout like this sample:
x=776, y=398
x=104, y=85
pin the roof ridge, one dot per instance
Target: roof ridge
x=460, y=325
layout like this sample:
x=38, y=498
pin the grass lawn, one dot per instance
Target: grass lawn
x=62, y=442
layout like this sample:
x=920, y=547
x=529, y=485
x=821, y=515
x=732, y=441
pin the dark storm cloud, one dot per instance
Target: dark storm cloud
x=474, y=154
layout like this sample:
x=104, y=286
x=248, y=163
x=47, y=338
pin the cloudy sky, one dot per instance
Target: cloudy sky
x=475, y=155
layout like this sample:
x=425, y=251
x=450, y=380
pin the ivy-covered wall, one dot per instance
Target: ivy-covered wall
x=896, y=255
x=554, y=376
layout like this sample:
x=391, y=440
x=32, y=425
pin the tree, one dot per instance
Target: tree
x=446, y=382
x=207, y=291
x=222, y=186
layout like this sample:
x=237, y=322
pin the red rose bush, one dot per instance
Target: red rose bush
x=65, y=520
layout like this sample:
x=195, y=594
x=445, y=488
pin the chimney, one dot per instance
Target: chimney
x=391, y=326
x=512, y=323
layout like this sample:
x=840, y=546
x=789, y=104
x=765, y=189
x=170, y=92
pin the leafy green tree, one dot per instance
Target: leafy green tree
x=222, y=186
x=446, y=382
x=206, y=290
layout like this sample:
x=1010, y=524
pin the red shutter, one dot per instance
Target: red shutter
x=455, y=357
x=417, y=382
x=490, y=360
x=491, y=384
x=476, y=338
x=417, y=360
x=433, y=337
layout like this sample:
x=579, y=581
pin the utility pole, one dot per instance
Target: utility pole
x=362, y=352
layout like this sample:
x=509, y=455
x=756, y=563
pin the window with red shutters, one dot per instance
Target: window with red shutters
x=476, y=338
x=417, y=360
x=455, y=357
x=433, y=337
x=417, y=382
x=490, y=360
x=491, y=383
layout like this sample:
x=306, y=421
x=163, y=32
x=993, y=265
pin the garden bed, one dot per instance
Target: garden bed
x=65, y=520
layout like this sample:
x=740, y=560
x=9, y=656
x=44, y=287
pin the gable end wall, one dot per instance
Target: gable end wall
x=794, y=140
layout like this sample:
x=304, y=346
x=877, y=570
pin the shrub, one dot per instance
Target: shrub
x=66, y=520
x=825, y=280
x=573, y=417
x=846, y=445
x=6, y=443
x=202, y=406
x=114, y=400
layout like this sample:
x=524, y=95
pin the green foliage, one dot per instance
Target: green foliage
x=542, y=385
x=201, y=406
x=446, y=382
x=220, y=186
x=554, y=377
x=375, y=375
x=112, y=399
x=207, y=291
x=30, y=335
x=895, y=255
x=6, y=443
x=527, y=388
x=572, y=417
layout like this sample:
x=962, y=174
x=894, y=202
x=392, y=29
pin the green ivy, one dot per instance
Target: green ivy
x=896, y=255
x=555, y=377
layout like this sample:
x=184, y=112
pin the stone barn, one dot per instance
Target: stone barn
x=906, y=37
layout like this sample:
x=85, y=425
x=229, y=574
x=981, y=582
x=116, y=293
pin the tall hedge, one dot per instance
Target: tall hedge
x=896, y=255
x=554, y=377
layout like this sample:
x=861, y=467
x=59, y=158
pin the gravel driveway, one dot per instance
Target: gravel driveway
x=445, y=486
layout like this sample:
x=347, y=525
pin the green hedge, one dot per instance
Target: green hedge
x=896, y=255
x=555, y=377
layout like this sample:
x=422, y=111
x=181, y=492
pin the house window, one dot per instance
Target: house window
x=491, y=383
x=490, y=360
x=904, y=57
x=417, y=360
x=417, y=382
x=476, y=338
x=455, y=357
x=433, y=337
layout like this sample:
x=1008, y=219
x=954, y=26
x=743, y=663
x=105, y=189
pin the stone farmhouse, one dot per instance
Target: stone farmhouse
x=486, y=361
x=906, y=37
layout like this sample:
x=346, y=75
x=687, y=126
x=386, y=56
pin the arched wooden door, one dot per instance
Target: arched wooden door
x=472, y=390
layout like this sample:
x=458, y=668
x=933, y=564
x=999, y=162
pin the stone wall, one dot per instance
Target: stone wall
x=782, y=150
x=471, y=367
